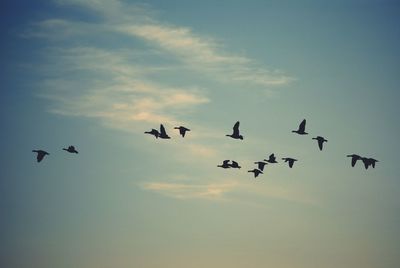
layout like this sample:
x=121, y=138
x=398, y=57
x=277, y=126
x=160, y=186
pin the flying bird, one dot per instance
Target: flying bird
x=302, y=128
x=271, y=159
x=290, y=161
x=153, y=132
x=236, y=134
x=261, y=165
x=235, y=164
x=182, y=130
x=354, y=159
x=369, y=162
x=321, y=141
x=225, y=164
x=70, y=149
x=256, y=172
x=163, y=134
x=40, y=154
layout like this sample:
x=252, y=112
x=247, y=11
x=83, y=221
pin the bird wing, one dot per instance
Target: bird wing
x=72, y=148
x=225, y=162
x=40, y=156
x=236, y=128
x=366, y=163
x=320, y=144
x=302, y=126
x=162, y=130
x=291, y=162
x=353, y=161
x=261, y=165
x=257, y=172
x=272, y=157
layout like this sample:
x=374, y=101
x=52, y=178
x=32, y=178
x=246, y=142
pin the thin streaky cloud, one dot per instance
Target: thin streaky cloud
x=212, y=191
x=133, y=90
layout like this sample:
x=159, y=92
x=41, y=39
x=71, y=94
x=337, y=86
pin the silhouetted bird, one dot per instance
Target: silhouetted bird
x=40, y=154
x=260, y=164
x=153, y=132
x=163, y=134
x=182, y=130
x=71, y=149
x=271, y=159
x=354, y=159
x=225, y=164
x=302, y=128
x=235, y=164
x=321, y=141
x=256, y=172
x=290, y=161
x=236, y=134
x=369, y=162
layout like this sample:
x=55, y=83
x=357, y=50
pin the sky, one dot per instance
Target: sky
x=97, y=74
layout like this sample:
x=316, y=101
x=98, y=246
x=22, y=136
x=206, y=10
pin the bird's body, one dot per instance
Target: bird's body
x=289, y=160
x=302, y=128
x=153, y=132
x=256, y=172
x=271, y=159
x=163, y=134
x=71, y=149
x=236, y=133
x=225, y=164
x=235, y=164
x=321, y=141
x=40, y=154
x=261, y=165
x=182, y=130
x=354, y=159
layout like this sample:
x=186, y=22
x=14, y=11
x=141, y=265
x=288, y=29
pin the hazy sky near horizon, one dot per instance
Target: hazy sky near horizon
x=97, y=74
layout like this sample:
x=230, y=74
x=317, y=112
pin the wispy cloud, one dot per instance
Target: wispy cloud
x=224, y=191
x=205, y=55
x=213, y=191
x=135, y=80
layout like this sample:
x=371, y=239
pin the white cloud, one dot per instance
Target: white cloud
x=135, y=90
x=205, y=55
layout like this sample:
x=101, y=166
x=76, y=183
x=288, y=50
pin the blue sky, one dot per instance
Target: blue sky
x=97, y=74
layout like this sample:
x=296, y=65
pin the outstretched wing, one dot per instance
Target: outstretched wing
x=40, y=156
x=302, y=126
x=291, y=162
x=320, y=144
x=373, y=164
x=366, y=163
x=162, y=130
x=225, y=162
x=261, y=165
x=354, y=161
x=272, y=157
x=236, y=128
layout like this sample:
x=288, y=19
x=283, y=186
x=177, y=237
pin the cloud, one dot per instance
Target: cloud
x=136, y=77
x=224, y=191
x=110, y=88
x=214, y=191
x=205, y=55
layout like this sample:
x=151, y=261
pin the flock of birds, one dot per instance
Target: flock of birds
x=40, y=154
x=162, y=134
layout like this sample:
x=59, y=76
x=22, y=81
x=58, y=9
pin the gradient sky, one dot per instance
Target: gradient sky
x=98, y=73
